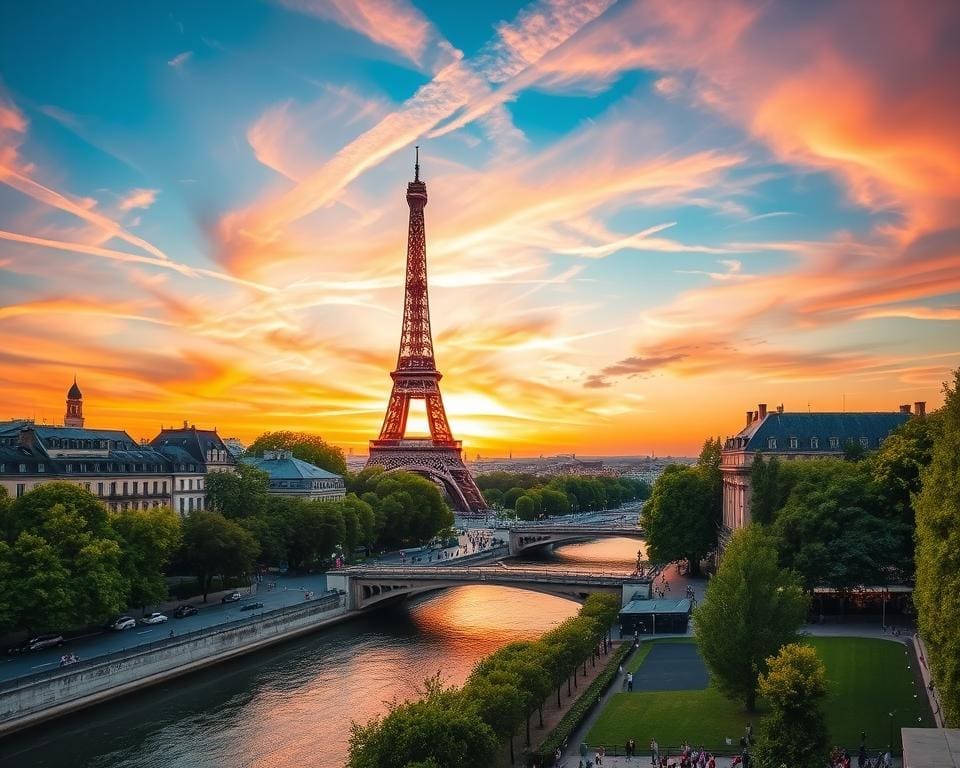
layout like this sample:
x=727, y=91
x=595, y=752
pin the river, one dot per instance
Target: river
x=291, y=706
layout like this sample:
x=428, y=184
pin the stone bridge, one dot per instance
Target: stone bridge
x=523, y=537
x=369, y=586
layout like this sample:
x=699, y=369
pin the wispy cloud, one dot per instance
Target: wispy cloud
x=138, y=198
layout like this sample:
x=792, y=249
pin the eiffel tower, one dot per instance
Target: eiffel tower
x=439, y=457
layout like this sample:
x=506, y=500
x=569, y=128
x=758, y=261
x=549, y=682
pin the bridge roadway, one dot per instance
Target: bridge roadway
x=523, y=537
x=368, y=586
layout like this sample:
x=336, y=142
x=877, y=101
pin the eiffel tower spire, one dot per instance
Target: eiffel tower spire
x=416, y=378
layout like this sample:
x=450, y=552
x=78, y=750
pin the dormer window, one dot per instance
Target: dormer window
x=772, y=443
x=794, y=443
x=865, y=442
x=815, y=443
x=834, y=443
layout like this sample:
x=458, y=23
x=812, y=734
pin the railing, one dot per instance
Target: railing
x=486, y=573
x=321, y=604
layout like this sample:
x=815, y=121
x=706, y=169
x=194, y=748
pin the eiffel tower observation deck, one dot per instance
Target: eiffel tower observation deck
x=439, y=456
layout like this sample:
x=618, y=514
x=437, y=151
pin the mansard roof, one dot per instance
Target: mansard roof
x=196, y=442
x=781, y=427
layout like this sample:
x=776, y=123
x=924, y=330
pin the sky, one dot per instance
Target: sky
x=644, y=217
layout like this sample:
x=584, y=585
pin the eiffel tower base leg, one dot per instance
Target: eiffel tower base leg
x=442, y=465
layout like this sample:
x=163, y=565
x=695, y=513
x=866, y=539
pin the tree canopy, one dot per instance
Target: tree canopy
x=304, y=446
x=751, y=609
x=794, y=732
x=238, y=494
x=937, y=592
x=215, y=546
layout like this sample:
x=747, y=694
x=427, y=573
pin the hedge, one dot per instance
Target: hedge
x=581, y=707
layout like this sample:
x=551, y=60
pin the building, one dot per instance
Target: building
x=292, y=477
x=109, y=463
x=193, y=453
x=792, y=436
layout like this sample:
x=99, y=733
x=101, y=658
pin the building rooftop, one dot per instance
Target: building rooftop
x=804, y=427
x=281, y=465
x=666, y=605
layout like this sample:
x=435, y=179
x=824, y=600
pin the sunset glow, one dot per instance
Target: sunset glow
x=644, y=217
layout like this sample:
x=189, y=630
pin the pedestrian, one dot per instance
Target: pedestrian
x=629, y=681
x=626, y=749
x=654, y=752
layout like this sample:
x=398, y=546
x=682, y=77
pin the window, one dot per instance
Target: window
x=865, y=442
x=69, y=467
x=23, y=467
x=834, y=443
x=182, y=505
x=21, y=489
x=113, y=489
x=99, y=489
x=182, y=484
x=40, y=467
x=200, y=503
x=124, y=493
x=794, y=443
x=190, y=484
x=191, y=503
x=164, y=486
x=86, y=486
x=772, y=443
x=136, y=488
x=199, y=483
x=155, y=487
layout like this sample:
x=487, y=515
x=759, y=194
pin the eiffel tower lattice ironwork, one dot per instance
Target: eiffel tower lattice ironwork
x=416, y=377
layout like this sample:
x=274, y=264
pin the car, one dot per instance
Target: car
x=153, y=618
x=183, y=611
x=124, y=622
x=251, y=606
x=40, y=642
x=231, y=598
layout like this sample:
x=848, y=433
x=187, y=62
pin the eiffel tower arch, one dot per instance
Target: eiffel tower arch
x=416, y=377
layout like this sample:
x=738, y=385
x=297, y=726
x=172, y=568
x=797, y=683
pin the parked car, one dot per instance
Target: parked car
x=251, y=606
x=183, y=611
x=231, y=598
x=124, y=622
x=153, y=618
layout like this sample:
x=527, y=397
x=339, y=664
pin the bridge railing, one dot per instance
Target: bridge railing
x=483, y=573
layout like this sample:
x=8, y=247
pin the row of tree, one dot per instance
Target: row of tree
x=381, y=511
x=463, y=727
x=531, y=496
x=66, y=561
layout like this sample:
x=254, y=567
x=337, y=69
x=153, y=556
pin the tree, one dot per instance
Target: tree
x=149, y=538
x=238, y=494
x=64, y=558
x=498, y=701
x=442, y=727
x=938, y=553
x=304, y=446
x=555, y=502
x=766, y=498
x=215, y=546
x=510, y=496
x=794, y=733
x=525, y=508
x=829, y=529
x=678, y=519
x=751, y=609
x=708, y=463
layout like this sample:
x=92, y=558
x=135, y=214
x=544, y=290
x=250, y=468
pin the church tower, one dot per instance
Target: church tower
x=74, y=415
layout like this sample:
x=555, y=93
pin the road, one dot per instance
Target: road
x=289, y=590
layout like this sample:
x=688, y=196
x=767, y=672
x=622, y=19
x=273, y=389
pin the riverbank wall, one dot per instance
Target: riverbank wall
x=33, y=699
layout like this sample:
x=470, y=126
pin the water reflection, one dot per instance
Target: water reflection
x=292, y=705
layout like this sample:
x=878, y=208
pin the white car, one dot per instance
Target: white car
x=153, y=618
x=124, y=622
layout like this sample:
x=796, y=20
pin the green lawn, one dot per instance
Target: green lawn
x=868, y=680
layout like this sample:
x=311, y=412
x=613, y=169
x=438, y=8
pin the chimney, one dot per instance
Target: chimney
x=25, y=438
x=184, y=423
x=920, y=408
x=905, y=408
x=749, y=418
x=762, y=410
x=780, y=408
